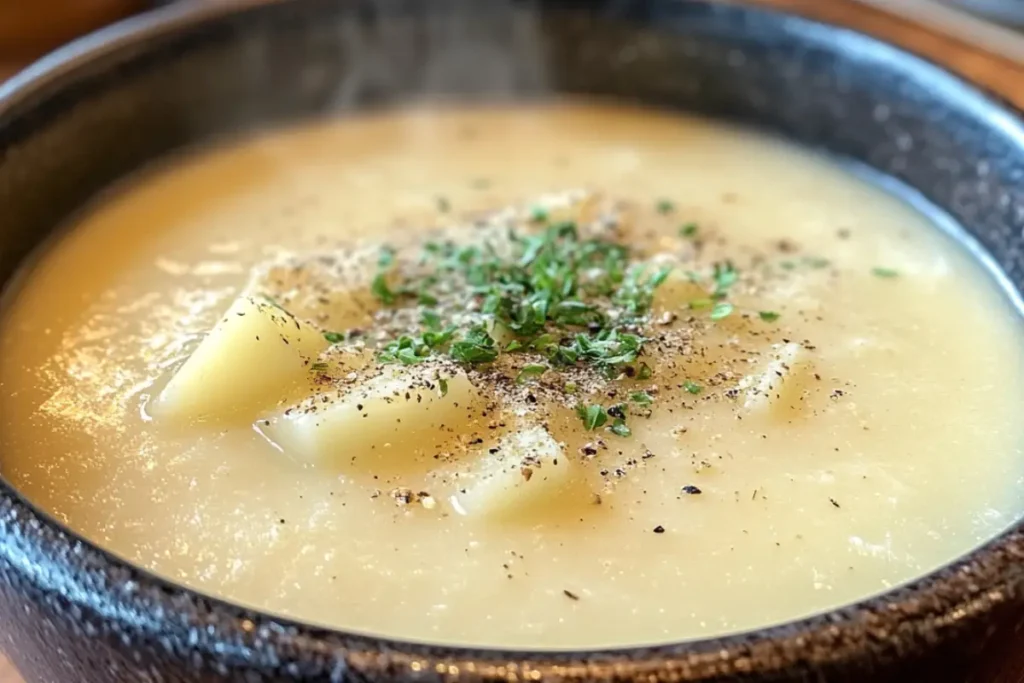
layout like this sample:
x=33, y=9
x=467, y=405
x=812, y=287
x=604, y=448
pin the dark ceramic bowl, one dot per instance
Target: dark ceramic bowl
x=113, y=102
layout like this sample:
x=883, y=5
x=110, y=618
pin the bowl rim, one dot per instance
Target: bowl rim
x=926, y=610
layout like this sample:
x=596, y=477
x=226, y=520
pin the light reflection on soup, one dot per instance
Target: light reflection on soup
x=766, y=390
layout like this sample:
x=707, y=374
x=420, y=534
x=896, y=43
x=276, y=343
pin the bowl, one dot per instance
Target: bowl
x=115, y=101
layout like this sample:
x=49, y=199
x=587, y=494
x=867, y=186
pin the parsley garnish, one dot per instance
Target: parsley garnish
x=573, y=300
x=606, y=348
x=334, y=337
x=721, y=310
x=636, y=294
x=641, y=398
x=476, y=346
x=619, y=428
x=379, y=288
x=698, y=304
x=593, y=416
x=768, y=316
x=530, y=371
x=665, y=206
x=692, y=387
x=688, y=230
x=433, y=339
x=442, y=384
x=318, y=367
x=885, y=272
x=405, y=350
x=725, y=276
x=430, y=319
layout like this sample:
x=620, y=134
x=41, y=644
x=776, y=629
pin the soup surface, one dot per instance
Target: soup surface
x=660, y=378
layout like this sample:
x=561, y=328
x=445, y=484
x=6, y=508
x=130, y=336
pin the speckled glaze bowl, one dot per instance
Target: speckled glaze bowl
x=101, y=108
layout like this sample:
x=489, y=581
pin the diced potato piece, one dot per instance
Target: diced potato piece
x=779, y=388
x=253, y=356
x=401, y=413
x=528, y=470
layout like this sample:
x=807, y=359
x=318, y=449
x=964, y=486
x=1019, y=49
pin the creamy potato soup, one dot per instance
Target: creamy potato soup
x=544, y=376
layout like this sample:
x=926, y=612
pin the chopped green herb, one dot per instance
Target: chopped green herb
x=539, y=214
x=641, y=398
x=405, y=350
x=688, y=230
x=768, y=316
x=607, y=348
x=442, y=384
x=665, y=206
x=885, y=272
x=443, y=205
x=433, y=339
x=593, y=416
x=725, y=276
x=430, y=319
x=334, y=337
x=476, y=346
x=644, y=372
x=380, y=289
x=619, y=428
x=636, y=294
x=721, y=310
x=425, y=298
x=530, y=371
x=570, y=387
x=699, y=304
x=816, y=262
x=571, y=299
x=318, y=367
x=692, y=387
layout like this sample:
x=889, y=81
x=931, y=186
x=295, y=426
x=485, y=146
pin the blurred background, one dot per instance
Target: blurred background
x=29, y=28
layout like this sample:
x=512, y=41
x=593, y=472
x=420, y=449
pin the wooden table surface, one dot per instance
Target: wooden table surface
x=1003, y=662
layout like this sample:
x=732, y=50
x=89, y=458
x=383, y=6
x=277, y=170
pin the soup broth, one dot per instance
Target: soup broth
x=768, y=389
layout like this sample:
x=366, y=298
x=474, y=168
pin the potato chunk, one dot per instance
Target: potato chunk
x=253, y=356
x=399, y=414
x=780, y=385
x=529, y=469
